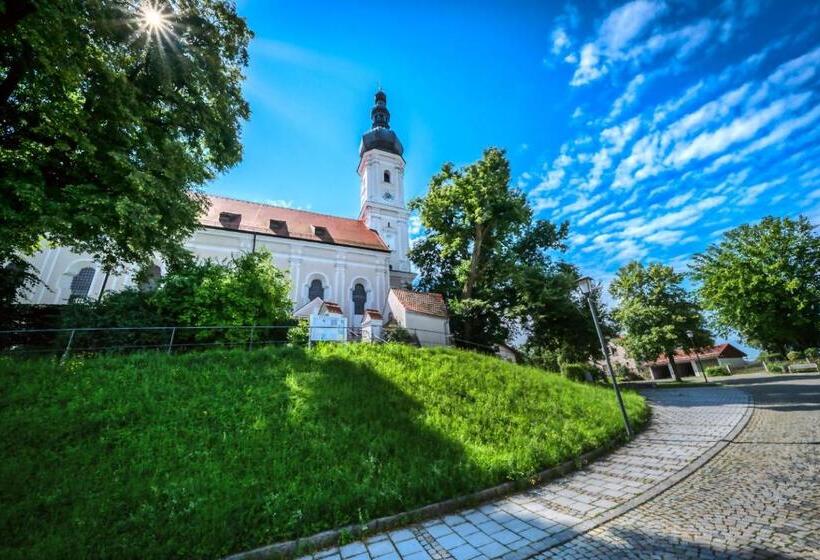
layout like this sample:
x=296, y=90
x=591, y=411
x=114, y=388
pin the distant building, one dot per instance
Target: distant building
x=337, y=265
x=686, y=361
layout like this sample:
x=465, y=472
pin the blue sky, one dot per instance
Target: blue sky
x=652, y=126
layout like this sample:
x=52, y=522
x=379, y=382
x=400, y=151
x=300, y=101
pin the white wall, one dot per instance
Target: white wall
x=338, y=267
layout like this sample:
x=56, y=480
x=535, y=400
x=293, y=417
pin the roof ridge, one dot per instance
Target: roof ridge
x=284, y=208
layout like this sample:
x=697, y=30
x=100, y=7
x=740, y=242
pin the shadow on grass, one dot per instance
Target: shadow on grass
x=202, y=455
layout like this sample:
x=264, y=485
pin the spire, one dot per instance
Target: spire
x=380, y=137
x=379, y=114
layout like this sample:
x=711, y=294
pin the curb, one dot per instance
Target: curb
x=332, y=537
x=586, y=526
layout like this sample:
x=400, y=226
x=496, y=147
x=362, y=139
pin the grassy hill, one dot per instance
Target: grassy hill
x=204, y=454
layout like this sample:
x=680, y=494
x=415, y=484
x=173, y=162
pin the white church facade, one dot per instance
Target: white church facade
x=350, y=263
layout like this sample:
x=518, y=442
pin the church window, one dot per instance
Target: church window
x=359, y=299
x=316, y=290
x=81, y=283
x=149, y=284
x=386, y=176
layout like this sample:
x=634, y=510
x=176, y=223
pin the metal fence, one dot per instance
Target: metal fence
x=66, y=342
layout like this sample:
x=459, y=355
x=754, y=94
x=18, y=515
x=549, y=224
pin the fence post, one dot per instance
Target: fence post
x=67, y=347
x=171, y=342
x=250, y=342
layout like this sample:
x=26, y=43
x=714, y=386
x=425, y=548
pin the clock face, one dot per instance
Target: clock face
x=388, y=196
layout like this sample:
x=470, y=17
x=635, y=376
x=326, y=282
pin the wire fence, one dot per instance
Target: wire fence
x=66, y=342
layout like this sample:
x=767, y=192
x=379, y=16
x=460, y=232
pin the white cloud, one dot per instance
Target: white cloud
x=594, y=214
x=628, y=97
x=611, y=217
x=798, y=70
x=665, y=237
x=752, y=193
x=560, y=40
x=742, y=128
x=414, y=225
x=588, y=69
x=627, y=22
x=679, y=200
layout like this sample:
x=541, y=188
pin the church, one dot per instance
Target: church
x=355, y=267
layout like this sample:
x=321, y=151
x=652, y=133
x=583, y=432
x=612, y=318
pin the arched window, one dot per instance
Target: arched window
x=359, y=299
x=149, y=284
x=316, y=290
x=386, y=176
x=81, y=283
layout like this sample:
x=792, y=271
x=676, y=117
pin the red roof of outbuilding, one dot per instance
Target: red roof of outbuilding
x=725, y=350
x=254, y=217
x=428, y=303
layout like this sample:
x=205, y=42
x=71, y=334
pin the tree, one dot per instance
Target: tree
x=111, y=117
x=655, y=312
x=763, y=282
x=484, y=252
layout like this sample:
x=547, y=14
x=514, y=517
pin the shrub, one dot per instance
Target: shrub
x=794, y=356
x=299, y=334
x=812, y=354
x=770, y=357
x=776, y=368
x=579, y=372
x=716, y=371
x=400, y=335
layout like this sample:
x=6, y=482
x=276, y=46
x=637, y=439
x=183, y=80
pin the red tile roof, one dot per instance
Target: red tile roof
x=725, y=350
x=334, y=308
x=254, y=217
x=373, y=313
x=428, y=303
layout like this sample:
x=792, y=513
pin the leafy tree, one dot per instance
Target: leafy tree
x=763, y=281
x=249, y=290
x=655, y=312
x=109, y=125
x=484, y=252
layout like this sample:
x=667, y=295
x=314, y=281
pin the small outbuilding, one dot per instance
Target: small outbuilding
x=686, y=361
x=423, y=314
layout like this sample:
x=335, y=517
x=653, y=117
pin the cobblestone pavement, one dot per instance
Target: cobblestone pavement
x=758, y=498
x=686, y=424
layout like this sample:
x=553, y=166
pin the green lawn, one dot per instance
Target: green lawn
x=204, y=454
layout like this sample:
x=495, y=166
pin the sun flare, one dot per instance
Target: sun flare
x=154, y=20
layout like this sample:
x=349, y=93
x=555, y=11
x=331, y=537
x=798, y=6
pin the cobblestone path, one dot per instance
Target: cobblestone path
x=688, y=425
x=758, y=498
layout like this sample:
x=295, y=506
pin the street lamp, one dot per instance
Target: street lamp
x=586, y=286
x=691, y=335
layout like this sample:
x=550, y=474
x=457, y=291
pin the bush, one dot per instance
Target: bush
x=579, y=372
x=794, y=356
x=399, y=335
x=776, y=368
x=716, y=371
x=770, y=357
x=812, y=354
x=299, y=335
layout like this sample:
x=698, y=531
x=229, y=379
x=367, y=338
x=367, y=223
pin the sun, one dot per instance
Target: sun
x=154, y=20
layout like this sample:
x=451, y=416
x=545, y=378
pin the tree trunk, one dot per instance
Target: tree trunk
x=672, y=369
x=469, y=285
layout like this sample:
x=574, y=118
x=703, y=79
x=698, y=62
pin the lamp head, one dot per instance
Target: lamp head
x=585, y=285
x=690, y=334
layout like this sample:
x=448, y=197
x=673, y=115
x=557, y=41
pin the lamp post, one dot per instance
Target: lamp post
x=585, y=284
x=691, y=336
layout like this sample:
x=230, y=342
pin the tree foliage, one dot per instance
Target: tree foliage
x=763, y=282
x=107, y=129
x=491, y=260
x=248, y=290
x=655, y=312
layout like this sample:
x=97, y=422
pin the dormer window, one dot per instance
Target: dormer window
x=279, y=227
x=322, y=233
x=386, y=176
x=229, y=219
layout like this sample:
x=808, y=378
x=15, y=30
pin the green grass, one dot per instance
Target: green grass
x=204, y=454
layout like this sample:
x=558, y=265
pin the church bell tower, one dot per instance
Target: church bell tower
x=381, y=169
